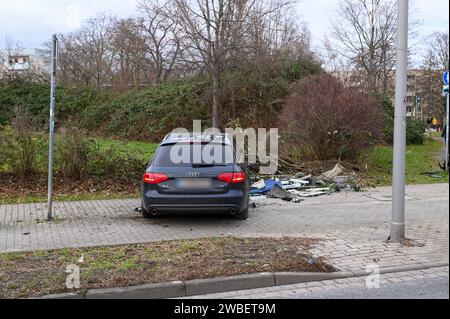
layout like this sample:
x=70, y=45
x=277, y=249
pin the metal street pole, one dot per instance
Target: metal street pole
x=399, y=170
x=446, y=134
x=52, y=127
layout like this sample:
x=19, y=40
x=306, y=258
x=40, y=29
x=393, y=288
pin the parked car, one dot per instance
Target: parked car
x=194, y=186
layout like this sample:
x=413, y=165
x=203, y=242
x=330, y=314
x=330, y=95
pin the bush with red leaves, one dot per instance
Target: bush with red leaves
x=323, y=120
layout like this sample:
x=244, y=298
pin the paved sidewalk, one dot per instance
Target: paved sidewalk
x=354, y=226
x=420, y=284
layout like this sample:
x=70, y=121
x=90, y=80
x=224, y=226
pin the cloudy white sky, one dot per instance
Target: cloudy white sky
x=31, y=22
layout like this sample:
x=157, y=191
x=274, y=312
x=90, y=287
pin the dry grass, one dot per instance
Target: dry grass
x=41, y=273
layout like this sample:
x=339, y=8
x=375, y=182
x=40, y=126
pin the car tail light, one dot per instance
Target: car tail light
x=232, y=178
x=155, y=178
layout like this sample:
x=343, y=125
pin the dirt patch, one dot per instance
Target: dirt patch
x=411, y=243
x=42, y=273
x=35, y=186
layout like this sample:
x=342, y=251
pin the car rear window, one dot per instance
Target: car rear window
x=188, y=155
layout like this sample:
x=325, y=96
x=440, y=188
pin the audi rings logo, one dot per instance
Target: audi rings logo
x=192, y=174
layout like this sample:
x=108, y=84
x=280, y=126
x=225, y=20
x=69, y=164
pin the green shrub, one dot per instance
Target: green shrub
x=415, y=129
x=72, y=152
x=110, y=163
x=6, y=147
x=20, y=145
x=252, y=95
x=415, y=132
x=150, y=115
x=76, y=156
x=252, y=98
x=35, y=97
x=301, y=68
x=22, y=153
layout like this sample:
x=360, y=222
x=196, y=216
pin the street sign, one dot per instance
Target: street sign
x=445, y=78
x=445, y=90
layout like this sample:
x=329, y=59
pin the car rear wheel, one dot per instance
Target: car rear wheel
x=242, y=216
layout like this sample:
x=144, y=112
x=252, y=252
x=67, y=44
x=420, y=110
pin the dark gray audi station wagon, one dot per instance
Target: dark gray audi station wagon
x=193, y=185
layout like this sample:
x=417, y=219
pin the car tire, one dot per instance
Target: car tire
x=242, y=216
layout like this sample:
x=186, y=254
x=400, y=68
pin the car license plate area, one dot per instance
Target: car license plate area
x=194, y=183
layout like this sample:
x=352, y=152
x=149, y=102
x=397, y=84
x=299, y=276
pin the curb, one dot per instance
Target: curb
x=156, y=291
x=208, y=286
x=180, y=289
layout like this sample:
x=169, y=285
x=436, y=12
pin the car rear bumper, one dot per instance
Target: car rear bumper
x=234, y=201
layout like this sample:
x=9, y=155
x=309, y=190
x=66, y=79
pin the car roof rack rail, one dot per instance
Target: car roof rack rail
x=175, y=137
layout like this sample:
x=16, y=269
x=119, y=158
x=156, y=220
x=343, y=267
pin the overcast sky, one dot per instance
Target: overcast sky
x=31, y=22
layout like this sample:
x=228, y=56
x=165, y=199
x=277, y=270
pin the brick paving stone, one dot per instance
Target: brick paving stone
x=352, y=227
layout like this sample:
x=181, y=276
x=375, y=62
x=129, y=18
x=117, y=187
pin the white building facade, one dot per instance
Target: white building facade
x=23, y=62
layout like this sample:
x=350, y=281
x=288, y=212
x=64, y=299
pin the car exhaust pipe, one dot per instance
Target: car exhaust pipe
x=233, y=211
x=154, y=212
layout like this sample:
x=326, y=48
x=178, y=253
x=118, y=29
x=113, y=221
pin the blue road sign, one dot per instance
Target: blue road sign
x=446, y=77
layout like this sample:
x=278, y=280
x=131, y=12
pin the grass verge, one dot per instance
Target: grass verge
x=114, y=174
x=41, y=273
x=14, y=190
x=67, y=198
x=421, y=164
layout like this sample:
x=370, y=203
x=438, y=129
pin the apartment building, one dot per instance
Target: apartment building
x=424, y=87
x=13, y=64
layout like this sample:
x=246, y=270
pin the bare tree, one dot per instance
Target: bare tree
x=435, y=61
x=130, y=67
x=163, y=37
x=209, y=25
x=87, y=55
x=439, y=50
x=332, y=61
x=365, y=34
x=274, y=32
x=173, y=38
x=218, y=30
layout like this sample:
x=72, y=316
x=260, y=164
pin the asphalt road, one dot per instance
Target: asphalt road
x=421, y=284
x=436, y=288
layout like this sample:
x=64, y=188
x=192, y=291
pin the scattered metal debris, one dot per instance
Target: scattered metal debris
x=300, y=186
x=279, y=192
x=433, y=175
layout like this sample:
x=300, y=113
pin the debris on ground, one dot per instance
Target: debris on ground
x=264, y=186
x=436, y=175
x=332, y=174
x=300, y=186
x=278, y=192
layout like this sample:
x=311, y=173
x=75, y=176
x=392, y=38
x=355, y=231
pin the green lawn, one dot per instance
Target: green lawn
x=420, y=159
x=144, y=149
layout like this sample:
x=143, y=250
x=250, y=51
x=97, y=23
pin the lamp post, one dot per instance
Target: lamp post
x=52, y=127
x=399, y=167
